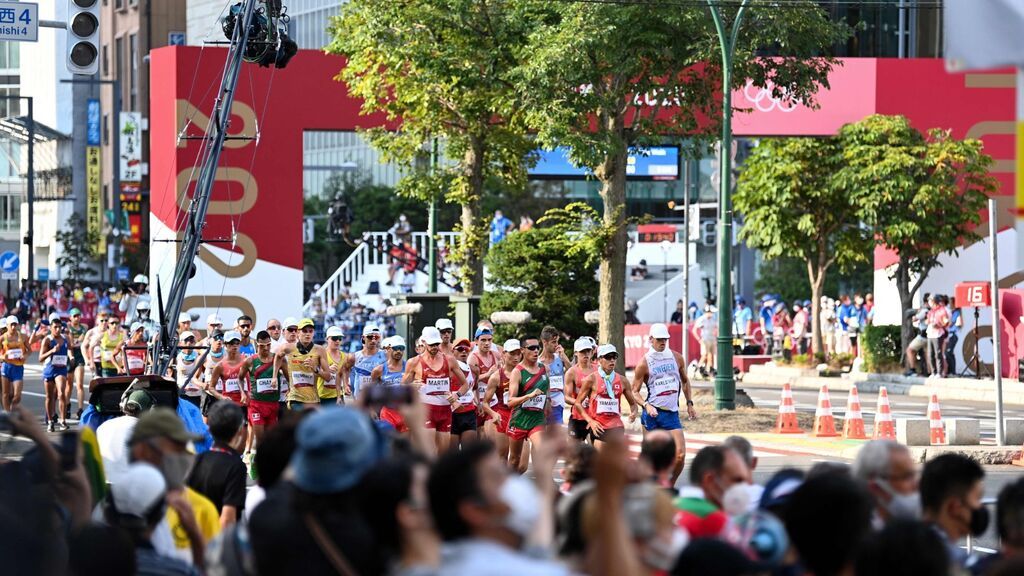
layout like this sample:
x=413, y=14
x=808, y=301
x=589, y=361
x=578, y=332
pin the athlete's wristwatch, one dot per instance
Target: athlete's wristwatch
x=689, y=402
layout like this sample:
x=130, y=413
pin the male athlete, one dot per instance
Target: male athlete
x=245, y=345
x=447, y=330
x=604, y=389
x=583, y=348
x=555, y=361
x=264, y=390
x=528, y=386
x=361, y=364
x=76, y=365
x=495, y=400
x=484, y=361
x=390, y=374
x=664, y=372
x=331, y=387
x=306, y=361
x=226, y=383
x=464, y=411
x=432, y=374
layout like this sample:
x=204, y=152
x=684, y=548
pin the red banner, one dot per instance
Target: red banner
x=975, y=294
x=637, y=343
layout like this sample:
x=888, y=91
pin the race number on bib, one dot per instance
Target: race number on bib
x=557, y=383
x=607, y=405
x=437, y=386
x=231, y=385
x=265, y=385
x=136, y=363
x=504, y=397
x=663, y=386
x=302, y=379
x=535, y=403
x=15, y=354
x=59, y=361
x=466, y=399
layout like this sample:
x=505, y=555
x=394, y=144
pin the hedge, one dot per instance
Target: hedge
x=881, y=346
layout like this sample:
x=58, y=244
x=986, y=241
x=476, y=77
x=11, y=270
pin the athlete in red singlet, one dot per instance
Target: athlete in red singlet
x=495, y=401
x=604, y=388
x=484, y=362
x=432, y=374
x=226, y=381
x=583, y=348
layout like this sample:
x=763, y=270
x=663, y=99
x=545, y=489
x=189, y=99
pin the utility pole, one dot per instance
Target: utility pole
x=432, y=226
x=725, y=384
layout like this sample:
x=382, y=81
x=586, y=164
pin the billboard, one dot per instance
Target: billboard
x=130, y=133
x=654, y=163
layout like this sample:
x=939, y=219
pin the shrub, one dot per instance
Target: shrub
x=881, y=348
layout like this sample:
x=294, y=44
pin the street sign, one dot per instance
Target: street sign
x=9, y=261
x=175, y=38
x=19, y=21
x=122, y=273
x=8, y=275
x=43, y=274
x=975, y=294
x=92, y=133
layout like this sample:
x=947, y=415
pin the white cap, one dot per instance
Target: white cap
x=140, y=279
x=184, y=317
x=232, y=335
x=138, y=489
x=185, y=336
x=136, y=326
x=12, y=320
x=606, y=349
x=54, y=317
x=370, y=329
x=582, y=344
x=658, y=330
x=144, y=305
x=87, y=290
x=335, y=331
x=511, y=345
x=431, y=335
x=289, y=322
x=444, y=324
x=393, y=341
x=214, y=319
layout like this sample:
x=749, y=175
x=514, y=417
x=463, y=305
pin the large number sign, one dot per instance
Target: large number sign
x=975, y=294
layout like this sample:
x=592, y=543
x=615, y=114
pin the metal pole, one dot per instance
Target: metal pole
x=997, y=360
x=725, y=384
x=901, y=29
x=686, y=265
x=432, y=226
x=115, y=201
x=30, y=192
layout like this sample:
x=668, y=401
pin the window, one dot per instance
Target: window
x=106, y=60
x=10, y=55
x=119, y=4
x=106, y=129
x=133, y=72
x=9, y=106
x=119, y=63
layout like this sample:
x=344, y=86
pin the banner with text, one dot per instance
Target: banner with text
x=94, y=197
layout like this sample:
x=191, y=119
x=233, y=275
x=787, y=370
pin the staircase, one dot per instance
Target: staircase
x=368, y=263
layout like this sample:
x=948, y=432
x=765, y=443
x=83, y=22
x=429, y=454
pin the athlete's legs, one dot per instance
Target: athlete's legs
x=467, y=437
x=515, y=453
x=256, y=433
x=62, y=396
x=7, y=393
x=536, y=439
x=16, y=397
x=80, y=386
x=50, y=387
x=441, y=441
x=502, y=443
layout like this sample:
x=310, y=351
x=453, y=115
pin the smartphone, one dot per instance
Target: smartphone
x=390, y=396
x=68, y=449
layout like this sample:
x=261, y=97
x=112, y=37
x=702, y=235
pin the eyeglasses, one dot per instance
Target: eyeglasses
x=533, y=347
x=273, y=327
x=335, y=338
x=292, y=329
x=461, y=349
x=371, y=336
x=188, y=340
x=447, y=330
x=218, y=338
x=398, y=348
x=612, y=356
x=113, y=323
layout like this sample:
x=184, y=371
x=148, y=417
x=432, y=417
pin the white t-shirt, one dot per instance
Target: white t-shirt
x=112, y=438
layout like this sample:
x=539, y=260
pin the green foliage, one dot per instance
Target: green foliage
x=882, y=347
x=787, y=277
x=547, y=271
x=77, y=244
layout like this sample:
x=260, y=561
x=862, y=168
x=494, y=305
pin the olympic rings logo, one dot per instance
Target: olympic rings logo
x=764, y=101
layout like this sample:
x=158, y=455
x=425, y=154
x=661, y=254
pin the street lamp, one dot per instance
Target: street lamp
x=725, y=384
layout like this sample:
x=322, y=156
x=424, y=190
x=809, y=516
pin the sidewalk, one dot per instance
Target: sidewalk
x=967, y=389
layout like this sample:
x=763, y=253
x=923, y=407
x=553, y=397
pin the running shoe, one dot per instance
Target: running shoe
x=63, y=426
x=50, y=426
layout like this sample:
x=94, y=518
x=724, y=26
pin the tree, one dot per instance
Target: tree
x=441, y=69
x=793, y=206
x=602, y=78
x=787, y=277
x=547, y=271
x=921, y=195
x=77, y=244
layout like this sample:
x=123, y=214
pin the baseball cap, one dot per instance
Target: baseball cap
x=185, y=336
x=214, y=319
x=464, y=342
x=289, y=322
x=370, y=329
x=162, y=423
x=431, y=335
x=335, y=331
x=482, y=332
x=144, y=305
x=184, y=317
x=138, y=490
x=393, y=341
x=582, y=344
x=780, y=487
x=606, y=349
x=136, y=326
x=232, y=335
x=511, y=345
x=658, y=330
x=444, y=324
x=142, y=400
x=75, y=312
x=12, y=320
x=335, y=447
x=305, y=323
x=54, y=317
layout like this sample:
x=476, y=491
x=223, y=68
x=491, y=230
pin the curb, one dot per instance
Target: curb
x=984, y=455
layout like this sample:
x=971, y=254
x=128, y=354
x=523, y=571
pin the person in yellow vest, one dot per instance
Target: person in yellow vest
x=14, y=347
x=110, y=341
x=306, y=361
x=327, y=386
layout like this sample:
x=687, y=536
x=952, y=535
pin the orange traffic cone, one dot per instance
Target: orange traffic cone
x=853, y=423
x=787, y=422
x=938, y=429
x=824, y=423
x=884, y=426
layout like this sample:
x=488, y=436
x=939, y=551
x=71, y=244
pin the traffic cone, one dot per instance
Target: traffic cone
x=824, y=423
x=787, y=423
x=938, y=429
x=853, y=423
x=884, y=426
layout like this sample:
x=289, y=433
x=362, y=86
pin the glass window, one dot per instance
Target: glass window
x=133, y=79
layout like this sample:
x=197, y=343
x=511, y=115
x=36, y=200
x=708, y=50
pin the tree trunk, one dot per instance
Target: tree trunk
x=817, y=288
x=472, y=238
x=612, y=293
x=906, y=305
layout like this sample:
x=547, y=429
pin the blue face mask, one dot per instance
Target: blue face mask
x=189, y=356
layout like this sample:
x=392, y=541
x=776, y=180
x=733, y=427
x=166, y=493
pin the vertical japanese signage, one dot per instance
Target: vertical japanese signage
x=94, y=199
x=131, y=147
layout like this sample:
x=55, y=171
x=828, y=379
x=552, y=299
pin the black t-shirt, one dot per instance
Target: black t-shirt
x=219, y=474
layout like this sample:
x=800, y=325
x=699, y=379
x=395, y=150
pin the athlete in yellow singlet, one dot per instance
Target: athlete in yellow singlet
x=327, y=388
x=305, y=361
x=109, y=343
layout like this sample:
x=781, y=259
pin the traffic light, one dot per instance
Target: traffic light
x=84, y=36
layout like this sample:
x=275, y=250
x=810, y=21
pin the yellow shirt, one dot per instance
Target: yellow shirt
x=325, y=389
x=206, y=518
x=303, y=385
x=108, y=345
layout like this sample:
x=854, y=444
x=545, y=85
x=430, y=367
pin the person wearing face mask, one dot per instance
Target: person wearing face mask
x=887, y=469
x=714, y=472
x=493, y=522
x=952, y=486
x=159, y=438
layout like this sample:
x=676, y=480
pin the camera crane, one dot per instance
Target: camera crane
x=257, y=33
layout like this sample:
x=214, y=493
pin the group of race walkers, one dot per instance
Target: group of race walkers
x=509, y=394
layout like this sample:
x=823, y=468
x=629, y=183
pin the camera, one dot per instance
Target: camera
x=390, y=396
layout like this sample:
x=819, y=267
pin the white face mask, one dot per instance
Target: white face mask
x=662, y=555
x=902, y=506
x=522, y=497
x=736, y=499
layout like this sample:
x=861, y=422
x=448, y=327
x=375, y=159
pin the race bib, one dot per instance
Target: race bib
x=466, y=399
x=504, y=397
x=330, y=383
x=59, y=361
x=663, y=387
x=557, y=383
x=535, y=403
x=607, y=405
x=437, y=386
x=265, y=385
x=231, y=385
x=15, y=354
x=363, y=381
x=97, y=353
x=302, y=379
x=107, y=356
x=135, y=363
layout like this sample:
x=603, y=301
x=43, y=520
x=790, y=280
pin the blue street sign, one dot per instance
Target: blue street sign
x=122, y=273
x=92, y=133
x=9, y=261
x=43, y=274
x=175, y=38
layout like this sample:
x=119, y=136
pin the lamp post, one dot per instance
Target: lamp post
x=725, y=384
